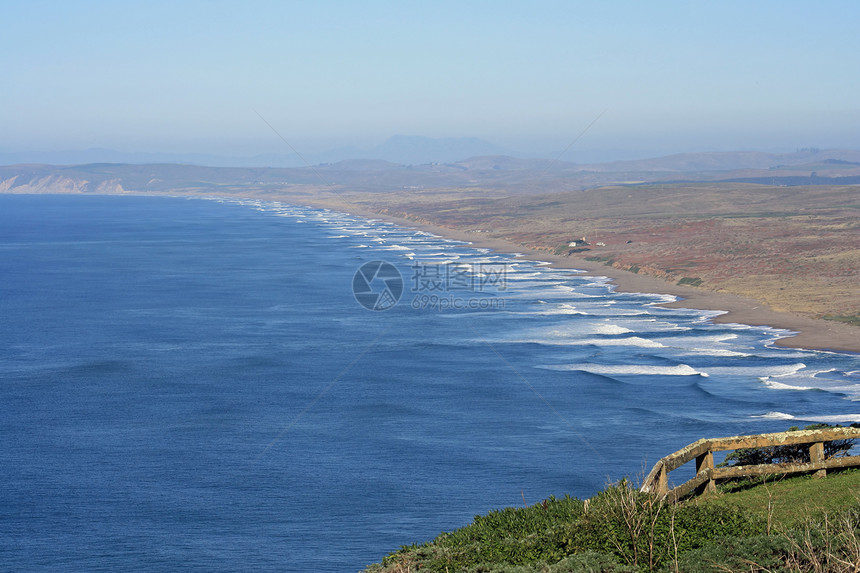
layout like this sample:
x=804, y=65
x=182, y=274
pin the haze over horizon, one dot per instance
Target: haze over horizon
x=155, y=77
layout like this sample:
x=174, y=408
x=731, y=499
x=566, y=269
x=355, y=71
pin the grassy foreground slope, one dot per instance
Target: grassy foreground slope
x=792, y=524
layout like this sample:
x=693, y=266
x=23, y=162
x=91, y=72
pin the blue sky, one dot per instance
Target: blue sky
x=187, y=76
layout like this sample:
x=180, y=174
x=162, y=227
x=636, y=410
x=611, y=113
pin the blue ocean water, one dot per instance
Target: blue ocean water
x=192, y=385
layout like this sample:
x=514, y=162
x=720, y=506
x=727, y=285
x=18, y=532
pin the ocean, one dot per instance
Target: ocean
x=225, y=385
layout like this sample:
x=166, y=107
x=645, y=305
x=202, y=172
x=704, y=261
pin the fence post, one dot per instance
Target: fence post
x=706, y=462
x=662, y=480
x=816, y=454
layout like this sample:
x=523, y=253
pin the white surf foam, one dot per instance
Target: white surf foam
x=519, y=275
x=611, y=329
x=629, y=369
x=759, y=371
x=551, y=312
x=822, y=419
x=774, y=416
x=715, y=352
x=774, y=385
x=634, y=341
x=837, y=419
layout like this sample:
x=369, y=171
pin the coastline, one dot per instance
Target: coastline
x=805, y=332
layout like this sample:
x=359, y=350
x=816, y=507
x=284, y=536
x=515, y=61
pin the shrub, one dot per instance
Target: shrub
x=795, y=453
x=590, y=562
x=515, y=536
x=759, y=553
x=645, y=532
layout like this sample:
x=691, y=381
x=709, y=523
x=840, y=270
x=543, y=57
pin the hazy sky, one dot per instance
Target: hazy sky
x=187, y=76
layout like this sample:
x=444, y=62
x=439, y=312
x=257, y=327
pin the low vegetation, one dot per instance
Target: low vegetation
x=766, y=524
x=786, y=525
x=846, y=318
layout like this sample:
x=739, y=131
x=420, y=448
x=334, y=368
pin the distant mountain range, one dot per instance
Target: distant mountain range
x=511, y=174
x=414, y=150
x=731, y=160
x=457, y=152
x=399, y=149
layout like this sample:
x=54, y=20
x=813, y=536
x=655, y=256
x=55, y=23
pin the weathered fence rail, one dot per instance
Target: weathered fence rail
x=702, y=451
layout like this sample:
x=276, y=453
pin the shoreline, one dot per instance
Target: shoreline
x=805, y=332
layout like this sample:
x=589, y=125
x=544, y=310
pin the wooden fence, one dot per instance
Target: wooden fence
x=707, y=475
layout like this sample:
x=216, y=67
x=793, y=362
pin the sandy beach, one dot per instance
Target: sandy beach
x=808, y=333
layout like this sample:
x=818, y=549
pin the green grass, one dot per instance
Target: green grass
x=790, y=500
x=846, y=318
x=691, y=281
x=608, y=261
